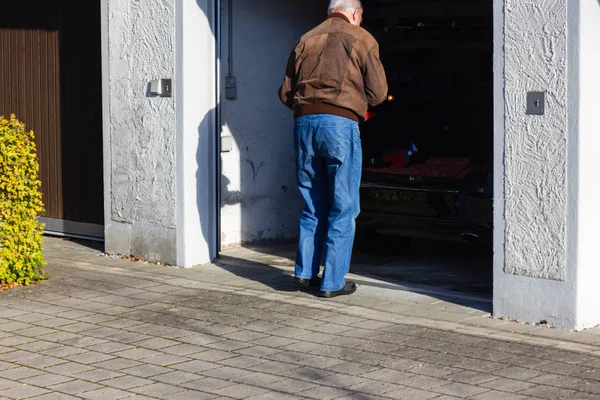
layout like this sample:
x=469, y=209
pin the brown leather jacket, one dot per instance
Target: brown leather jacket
x=334, y=69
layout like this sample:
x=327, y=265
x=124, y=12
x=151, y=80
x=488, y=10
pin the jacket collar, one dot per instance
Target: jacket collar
x=338, y=15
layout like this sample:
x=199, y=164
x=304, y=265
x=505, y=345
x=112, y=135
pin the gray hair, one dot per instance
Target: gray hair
x=349, y=6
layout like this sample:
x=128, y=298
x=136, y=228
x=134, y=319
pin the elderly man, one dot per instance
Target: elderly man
x=333, y=75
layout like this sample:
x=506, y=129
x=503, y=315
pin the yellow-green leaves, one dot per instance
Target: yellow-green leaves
x=21, y=260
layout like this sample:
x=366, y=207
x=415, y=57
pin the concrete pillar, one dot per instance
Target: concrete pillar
x=544, y=212
x=196, y=132
x=138, y=44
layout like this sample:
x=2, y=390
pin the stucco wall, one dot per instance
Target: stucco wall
x=140, y=212
x=259, y=196
x=536, y=156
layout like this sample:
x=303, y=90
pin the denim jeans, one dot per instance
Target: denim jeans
x=329, y=166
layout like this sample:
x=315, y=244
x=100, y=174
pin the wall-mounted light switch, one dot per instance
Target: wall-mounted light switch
x=536, y=103
x=161, y=88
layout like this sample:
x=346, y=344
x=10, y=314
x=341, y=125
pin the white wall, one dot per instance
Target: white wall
x=588, y=168
x=139, y=131
x=259, y=196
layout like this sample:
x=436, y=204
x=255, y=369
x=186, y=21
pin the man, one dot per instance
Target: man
x=333, y=75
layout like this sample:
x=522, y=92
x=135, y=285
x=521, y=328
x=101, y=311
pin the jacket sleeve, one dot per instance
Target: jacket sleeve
x=287, y=89
x=376, y=87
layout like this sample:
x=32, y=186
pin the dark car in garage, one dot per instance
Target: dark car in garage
x=427, y=167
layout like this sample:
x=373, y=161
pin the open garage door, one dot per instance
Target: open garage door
x=427, y=215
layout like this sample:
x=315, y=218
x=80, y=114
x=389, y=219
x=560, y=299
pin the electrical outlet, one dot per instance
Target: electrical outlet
x=230, y=88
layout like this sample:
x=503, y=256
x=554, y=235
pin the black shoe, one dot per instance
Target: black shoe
x=308, y=283
x=345, y=291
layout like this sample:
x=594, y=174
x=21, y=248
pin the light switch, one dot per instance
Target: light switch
x=536, y=103
x=161, y=87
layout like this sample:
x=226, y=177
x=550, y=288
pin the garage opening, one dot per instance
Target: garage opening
x=427, y=171
x=426, y=197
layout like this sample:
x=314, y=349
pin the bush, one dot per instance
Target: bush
x=21, y=260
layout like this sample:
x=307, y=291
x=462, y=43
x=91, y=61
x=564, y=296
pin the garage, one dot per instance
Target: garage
x=426, y=197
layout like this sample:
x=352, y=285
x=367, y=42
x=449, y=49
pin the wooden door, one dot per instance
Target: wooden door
x=51, y=79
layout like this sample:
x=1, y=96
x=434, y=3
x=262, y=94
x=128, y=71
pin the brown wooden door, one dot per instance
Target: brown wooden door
x=50, y=77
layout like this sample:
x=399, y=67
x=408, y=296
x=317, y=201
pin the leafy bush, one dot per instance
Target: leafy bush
x=21, y=260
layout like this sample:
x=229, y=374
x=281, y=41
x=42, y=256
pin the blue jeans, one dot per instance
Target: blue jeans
x=329, y=166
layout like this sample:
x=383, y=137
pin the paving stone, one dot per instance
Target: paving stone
x=224, y=373
x=190, y=395
x=109, y=347
x=375, y=387
x=437, y=371
x=185, y=350
x=145, y=370
x=54, y=396
x=69, y=368
x=518, y=373
x=23, y=391
x=497, y=395
x=228, y=345
x=46, y=380
x=272, y=341
x=97, y=375
x=324, y=393
x=7, y=384
x=127, y=382
x=116, y=364
x=106, y=394
x=274, y=396
x=20, y=373
x=564, y=369
x=63, y=351
x=291, y=386
x=176, y=377
x=245, y=336
x=41, y=361
x=207, y=384
x=274, y=367
x=78, y=327
x=508, y=385
x=242, y=362
x=549, y=392
x=240, y=391
x=471, y=377
x=408, y=393
x=137, y=353
x=258, y=379
x=460, y=390
x=89, y=357
x=422, y=382
x=192, y=366
x=75, y=387
x=156, y=343
x=387, y=375
x=166, y=360
x=158, y=390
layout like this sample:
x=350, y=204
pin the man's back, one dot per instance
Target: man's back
x=334, y=69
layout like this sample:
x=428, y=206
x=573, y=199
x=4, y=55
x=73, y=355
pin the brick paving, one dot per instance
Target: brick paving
x=102, y=328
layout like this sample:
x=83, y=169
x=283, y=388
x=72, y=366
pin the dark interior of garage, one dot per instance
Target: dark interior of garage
x=426, y=197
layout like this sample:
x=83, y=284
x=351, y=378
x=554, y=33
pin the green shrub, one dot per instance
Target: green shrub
x=21, y=260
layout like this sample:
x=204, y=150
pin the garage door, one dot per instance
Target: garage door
x=50, y=77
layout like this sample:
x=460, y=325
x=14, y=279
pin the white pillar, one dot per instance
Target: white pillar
x=535, y=268
x=195, y=88
x=587, y=170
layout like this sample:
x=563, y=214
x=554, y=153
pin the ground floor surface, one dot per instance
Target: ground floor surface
x=104, y=328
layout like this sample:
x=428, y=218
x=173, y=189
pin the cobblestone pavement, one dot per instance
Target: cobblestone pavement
x=103, y=328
